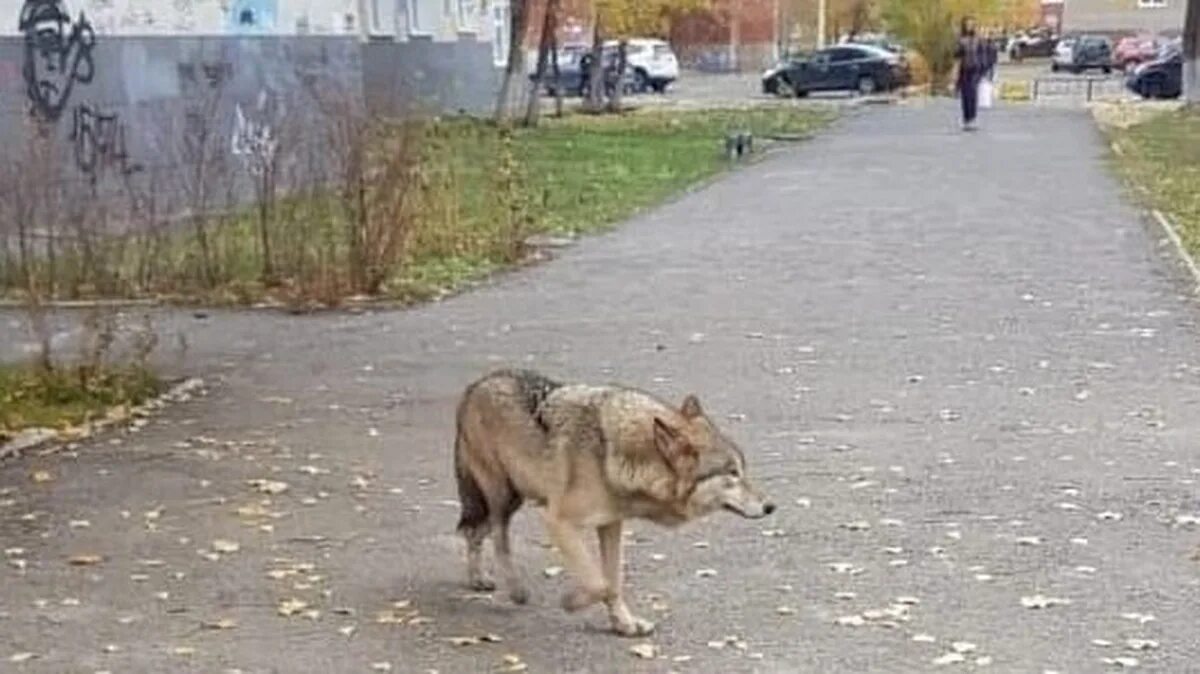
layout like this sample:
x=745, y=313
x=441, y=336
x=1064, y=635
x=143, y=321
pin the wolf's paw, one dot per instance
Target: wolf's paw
x=518, y=594
x=578, y=599
x=482, y=584
x=633, y=627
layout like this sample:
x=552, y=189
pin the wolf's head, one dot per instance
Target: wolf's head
x=710, y=469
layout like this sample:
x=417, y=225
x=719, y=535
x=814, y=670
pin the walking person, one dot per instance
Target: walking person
x=973, y=64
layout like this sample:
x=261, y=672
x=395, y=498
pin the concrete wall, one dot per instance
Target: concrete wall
x=1122, y=16
x=128, y=106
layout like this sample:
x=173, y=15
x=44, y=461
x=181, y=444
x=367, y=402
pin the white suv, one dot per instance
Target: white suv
x=650, y=61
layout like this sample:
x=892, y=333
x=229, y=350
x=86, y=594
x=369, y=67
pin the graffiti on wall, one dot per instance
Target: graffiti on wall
x=208, y=74
x=99, y=143
x=58, y=54
x=254, y=138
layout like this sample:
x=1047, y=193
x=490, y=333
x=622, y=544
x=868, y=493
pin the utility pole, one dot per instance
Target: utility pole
x=1191, y=53
x=778, y=31
x=822, y=9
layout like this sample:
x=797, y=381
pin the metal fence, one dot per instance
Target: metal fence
x=1079, y=88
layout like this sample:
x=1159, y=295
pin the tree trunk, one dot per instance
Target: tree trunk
x=513, y=86
x=558, y=92
x=614, y=101
x=1191, y=53
x=545, y=44
x=595, y=93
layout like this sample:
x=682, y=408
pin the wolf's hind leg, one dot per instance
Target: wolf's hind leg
x=503, y=547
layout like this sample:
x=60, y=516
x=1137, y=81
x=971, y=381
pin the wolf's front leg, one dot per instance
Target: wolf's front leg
x=592, y=588
x=624, y=622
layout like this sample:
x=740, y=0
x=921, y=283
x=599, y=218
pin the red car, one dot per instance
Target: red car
x=1131, y=51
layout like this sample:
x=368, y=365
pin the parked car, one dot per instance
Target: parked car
x=1064, y=54
x=573, y=71
x=1161, y=77
x=651, y=62
x=848, y=67
x=879, y=40
x=1032, y=44
x=1133, y=50
x=1088, y=52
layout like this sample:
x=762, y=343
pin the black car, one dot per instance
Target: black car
x=847, y=67
x=1160, y=78
x=1038, y=44
x=1089, y=52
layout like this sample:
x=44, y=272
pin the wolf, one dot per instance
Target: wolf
x=590, y=457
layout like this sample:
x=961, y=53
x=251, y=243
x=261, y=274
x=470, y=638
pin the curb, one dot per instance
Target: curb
x=39, y=438
x=1169, y=228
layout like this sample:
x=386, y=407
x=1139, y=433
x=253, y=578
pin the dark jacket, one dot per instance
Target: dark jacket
x=976, y=57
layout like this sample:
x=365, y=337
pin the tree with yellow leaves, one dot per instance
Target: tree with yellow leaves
x=620, y=20
x=928, y=26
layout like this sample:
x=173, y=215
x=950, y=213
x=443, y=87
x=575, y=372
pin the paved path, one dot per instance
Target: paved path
x=959, y=361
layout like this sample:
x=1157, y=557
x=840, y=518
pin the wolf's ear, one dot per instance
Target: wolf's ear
x=674, y=448
x=691, y=408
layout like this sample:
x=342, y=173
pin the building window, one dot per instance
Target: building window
x=417, y=19
x=501, y=18
x=464, y=16
x=381, y=20
x=1151, y=4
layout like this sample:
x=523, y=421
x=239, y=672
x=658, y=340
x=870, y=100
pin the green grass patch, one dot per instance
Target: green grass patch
x=66, y=397
x=587, y=173
x=1161, y=158
x=464, y=209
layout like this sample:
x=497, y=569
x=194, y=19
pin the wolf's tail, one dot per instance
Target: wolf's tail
x=470, y=495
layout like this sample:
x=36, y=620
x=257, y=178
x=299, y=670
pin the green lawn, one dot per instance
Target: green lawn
x=478, y=194
x=583, y=174
x=63, y=398
x=1162, y=156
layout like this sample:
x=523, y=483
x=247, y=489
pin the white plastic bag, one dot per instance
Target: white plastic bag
x=987, y=93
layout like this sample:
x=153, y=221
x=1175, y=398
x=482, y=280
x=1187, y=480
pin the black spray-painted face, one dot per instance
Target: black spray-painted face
x=58, y=54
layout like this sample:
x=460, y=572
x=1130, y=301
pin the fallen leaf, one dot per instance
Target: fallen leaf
x=225, y=547
x=1039, y=601
x=272, y=487
x=41, y=476
x=963, y=647
x=1142, y=618
x=644, y=651
x=291, y=607
x=464, y=641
